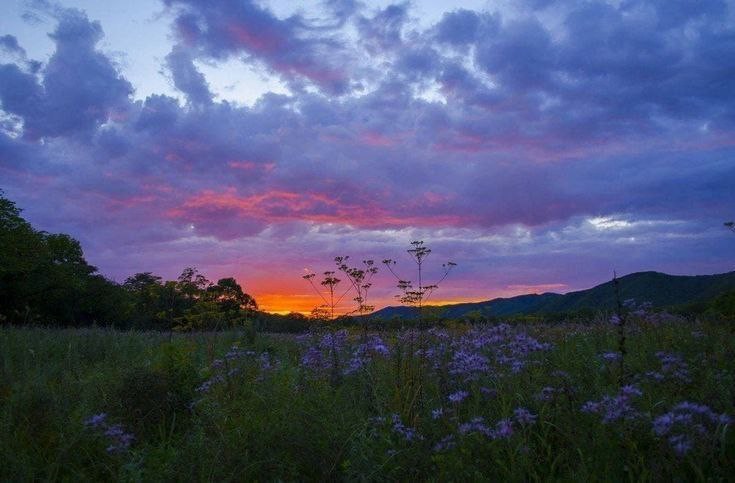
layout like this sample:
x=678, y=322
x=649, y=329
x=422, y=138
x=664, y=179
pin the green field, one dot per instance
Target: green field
x=502, y=403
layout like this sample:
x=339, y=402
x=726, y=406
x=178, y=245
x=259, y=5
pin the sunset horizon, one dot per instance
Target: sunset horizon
x=536, y=144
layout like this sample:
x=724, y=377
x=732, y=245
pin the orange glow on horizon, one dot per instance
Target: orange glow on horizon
x=278, y=303
x=285, y=295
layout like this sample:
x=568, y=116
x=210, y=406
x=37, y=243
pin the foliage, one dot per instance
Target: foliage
x=477, y=402
x=44, y=279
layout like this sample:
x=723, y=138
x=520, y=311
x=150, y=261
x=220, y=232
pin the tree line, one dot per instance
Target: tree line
x=44, y=279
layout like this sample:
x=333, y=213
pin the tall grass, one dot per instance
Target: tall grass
x=407, y=405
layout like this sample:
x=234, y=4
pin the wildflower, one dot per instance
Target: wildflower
x=611, y=356
x=681, y=444
x=207, y=385
x=96, y=420
x=458, y=396
x=408, y=433
x=365, y=352
x=503, y=429
x=673, y=367
x=445, y=443
x=469, y=364
x=614, y=408
x=687, y=423
x=119, y=439
x=546, y=394
x=524, y=416
x=437, y=413
x=312, y=358
x=475, y=425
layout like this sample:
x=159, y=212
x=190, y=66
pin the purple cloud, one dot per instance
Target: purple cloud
x=9, y=44
x=604, y=139
x=187, y=78
x=79, y=88
x=290, y=47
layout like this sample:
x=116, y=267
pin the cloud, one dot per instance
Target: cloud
x=290, y=47
x=187, y=78
x=383, y=31
x=79, y=88
x=618, y=112
x=9, y=44
x=463, y=27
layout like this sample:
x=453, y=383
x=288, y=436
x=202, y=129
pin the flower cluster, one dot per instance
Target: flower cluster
x=688, y=423
x=363, y=354
x=617, y=407
x=407, y=433
x=232, y=364
x=325, y=351
x=503, y=429
x=458, y=396
x=119, y=440
x=475, y=352
x=673, y=368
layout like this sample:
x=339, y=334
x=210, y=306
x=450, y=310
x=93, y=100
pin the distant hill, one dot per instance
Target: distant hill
x=659, y=289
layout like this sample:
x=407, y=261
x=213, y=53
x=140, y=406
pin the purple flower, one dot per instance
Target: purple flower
x=680, y=443
x=614, y=408
x=96, y=420
x=610, y=356
x=630, y=390
x=408, y=433
x=475, y=425
x=312, y=358
x=673, y=367
x=114, y=431
x=119, y=439
x=469, y=364
x=503, y=429
x=688, y=423
x=445, y=443
x=365, y=352
x=437, y=413
x=524, y=416
x=546, y=394
x=458, y=396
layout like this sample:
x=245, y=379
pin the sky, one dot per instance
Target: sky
x=540, y=145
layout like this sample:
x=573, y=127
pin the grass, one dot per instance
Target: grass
x=269, y=414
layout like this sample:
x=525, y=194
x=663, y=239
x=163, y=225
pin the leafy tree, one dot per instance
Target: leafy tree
x=44, y=277
x=230, y=297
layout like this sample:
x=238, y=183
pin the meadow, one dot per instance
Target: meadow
x=533, y=402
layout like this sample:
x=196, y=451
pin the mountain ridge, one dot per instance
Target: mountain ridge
x=660, y=289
